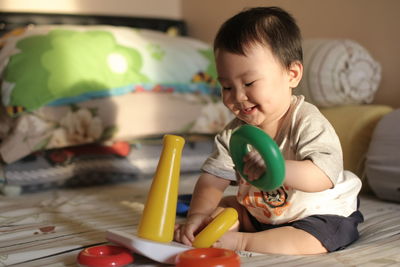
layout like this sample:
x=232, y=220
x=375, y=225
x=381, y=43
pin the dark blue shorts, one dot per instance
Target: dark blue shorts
x=333, y=231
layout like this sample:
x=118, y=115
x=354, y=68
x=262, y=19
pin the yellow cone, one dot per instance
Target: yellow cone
x=158, y=219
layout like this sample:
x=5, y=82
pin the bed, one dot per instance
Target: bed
x=61, y=194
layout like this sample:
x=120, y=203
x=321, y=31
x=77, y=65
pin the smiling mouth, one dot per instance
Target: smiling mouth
x=248, y=110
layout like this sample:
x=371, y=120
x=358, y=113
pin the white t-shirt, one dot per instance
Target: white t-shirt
x=305, y=134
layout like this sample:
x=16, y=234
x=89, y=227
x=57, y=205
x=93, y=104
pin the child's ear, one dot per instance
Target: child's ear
x=295, y=73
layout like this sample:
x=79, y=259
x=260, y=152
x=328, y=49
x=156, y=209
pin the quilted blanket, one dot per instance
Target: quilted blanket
x=50, y=228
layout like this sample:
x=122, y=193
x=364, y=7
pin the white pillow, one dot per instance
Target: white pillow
x=338, y=72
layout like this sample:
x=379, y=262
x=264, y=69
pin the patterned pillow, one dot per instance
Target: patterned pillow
x=117, y=118
x=63, y=64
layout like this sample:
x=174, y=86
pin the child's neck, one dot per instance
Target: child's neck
x=273, y=127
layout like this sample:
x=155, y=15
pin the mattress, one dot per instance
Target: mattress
x=50, y=228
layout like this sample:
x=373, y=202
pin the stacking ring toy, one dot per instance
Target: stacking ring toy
x=104, y=256
x=216, y=228
x=210, y=257
x=275, y=165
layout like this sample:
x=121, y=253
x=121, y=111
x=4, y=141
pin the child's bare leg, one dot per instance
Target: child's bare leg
x=244, y=221
x=284, y=240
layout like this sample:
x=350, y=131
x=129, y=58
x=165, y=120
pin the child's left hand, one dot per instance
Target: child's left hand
x=254, y=165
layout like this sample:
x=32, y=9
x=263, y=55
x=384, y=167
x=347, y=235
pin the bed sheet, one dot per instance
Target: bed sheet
x=50, y=228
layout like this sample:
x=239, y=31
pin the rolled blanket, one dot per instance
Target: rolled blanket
x=338, y=72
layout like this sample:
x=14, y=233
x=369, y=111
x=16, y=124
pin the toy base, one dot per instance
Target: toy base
x=157, y=251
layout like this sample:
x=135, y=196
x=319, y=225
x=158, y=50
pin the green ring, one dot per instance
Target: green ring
x=269, y=151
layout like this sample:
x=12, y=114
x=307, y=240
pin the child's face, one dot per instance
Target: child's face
x=256, y=87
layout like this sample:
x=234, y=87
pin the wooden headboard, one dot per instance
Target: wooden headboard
x=12, y=20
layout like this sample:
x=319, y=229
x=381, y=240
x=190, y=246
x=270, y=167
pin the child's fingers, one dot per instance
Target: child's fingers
x=183, y=233
x=257, y=169
x=187, y=234
x=252, y=170
x=179, y=235
x=177, y=226
x=177, y=232
x=254, y=165
x=185, y=240
x=252, y=155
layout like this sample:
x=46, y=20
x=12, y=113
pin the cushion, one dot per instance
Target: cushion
x=118, y=118
x=382, y=166
x=338, y=72
x=354, y=125
x=62, y=64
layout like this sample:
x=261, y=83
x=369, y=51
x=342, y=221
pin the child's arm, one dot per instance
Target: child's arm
x=206, y=197
x=301, y=175
x=306, y=176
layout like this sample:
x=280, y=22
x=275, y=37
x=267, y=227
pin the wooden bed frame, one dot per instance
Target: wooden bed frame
x=12, y=20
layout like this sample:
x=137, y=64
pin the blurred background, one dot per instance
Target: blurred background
x=372, y=23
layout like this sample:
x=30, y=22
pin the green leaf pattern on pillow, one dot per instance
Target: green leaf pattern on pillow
x=76, y=63
x=58, y=65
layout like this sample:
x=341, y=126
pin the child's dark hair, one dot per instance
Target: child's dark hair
x=271, y=26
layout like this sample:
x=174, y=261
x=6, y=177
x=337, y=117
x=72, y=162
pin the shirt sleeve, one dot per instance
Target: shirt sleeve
x=317, y=141
x=220, y=163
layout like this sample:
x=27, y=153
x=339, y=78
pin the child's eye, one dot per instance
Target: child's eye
x=226, y=88
x=249, y=84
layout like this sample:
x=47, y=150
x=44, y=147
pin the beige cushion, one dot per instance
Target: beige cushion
x=354, y=125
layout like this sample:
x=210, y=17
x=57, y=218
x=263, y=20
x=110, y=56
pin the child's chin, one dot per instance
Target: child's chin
x=250, y=122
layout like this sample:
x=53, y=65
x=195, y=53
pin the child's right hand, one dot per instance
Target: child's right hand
x=185, y=233
x=254, y=165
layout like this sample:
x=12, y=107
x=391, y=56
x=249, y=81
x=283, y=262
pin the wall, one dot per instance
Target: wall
x=147, y=8
x=373, y=23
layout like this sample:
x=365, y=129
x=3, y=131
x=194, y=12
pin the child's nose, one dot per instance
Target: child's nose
x=240, y=95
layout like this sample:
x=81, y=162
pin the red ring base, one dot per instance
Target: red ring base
x=210, y=257
x=105, y=256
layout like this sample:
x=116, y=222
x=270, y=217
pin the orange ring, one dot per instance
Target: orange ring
x=105, y=256
x=210, y=257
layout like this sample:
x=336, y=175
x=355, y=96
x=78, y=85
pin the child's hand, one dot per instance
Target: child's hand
x=184, y=233
x=254, y=165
